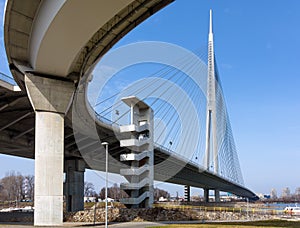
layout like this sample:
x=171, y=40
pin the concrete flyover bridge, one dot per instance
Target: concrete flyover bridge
x=50, y=46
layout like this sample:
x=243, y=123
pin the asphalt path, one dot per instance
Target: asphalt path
x=115, y=225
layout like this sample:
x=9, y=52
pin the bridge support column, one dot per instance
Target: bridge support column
x=187, y=193
x=206, y=195
x=138, y=137
x=74, y=185
x=50, y=99
x=217, y=195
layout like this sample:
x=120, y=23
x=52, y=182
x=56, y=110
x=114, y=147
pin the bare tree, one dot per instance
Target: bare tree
x=297, y=191
x=20, y=194
x=286, y=193
x=13, y=186
x=29, y=186
x=297, y=194
x=113, y=192
x=89, y=189
x=102, y=194
x=160, y=193
x=1, y=191
x=273, y=193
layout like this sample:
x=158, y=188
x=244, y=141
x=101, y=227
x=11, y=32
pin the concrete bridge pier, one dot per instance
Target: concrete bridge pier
x=217, y=195
x=206, y=195
x=50, y=99
x=74, y=184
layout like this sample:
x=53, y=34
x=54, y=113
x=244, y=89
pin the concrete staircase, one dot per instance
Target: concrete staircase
x=138, y=138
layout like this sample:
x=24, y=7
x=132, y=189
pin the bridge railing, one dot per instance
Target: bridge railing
x=171, y=152
x=105, y=120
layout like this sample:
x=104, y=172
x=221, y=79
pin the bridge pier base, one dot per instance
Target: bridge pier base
x=206, y=195
x=74, y=185
x=50, y=100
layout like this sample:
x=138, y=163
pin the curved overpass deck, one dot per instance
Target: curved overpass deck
x=64, y=38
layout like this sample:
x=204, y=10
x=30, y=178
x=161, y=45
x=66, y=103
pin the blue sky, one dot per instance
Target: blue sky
x=257, y=48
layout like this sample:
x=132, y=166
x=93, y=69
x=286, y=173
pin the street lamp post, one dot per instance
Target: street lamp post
x=106, y=179
x=247, y=208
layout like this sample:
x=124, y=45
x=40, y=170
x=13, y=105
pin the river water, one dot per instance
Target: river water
x=279, y=206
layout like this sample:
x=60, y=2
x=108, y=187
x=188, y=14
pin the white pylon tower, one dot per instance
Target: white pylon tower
x=211, y=117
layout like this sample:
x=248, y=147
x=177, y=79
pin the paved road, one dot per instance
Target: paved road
x=115, y=225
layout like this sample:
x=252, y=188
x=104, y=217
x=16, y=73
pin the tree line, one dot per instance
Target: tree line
x=286, y=195
x=116, y=193
x=16, y=187
x=113, y=192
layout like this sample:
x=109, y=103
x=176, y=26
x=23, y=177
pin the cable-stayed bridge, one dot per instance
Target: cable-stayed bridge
x=192, y=122
x=47, y=117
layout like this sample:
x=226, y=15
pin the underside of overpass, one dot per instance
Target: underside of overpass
x=50, y=45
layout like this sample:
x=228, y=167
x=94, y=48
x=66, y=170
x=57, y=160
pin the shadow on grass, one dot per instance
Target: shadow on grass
x=268, y=223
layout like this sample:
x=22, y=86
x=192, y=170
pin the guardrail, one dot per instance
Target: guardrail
x=105, y=120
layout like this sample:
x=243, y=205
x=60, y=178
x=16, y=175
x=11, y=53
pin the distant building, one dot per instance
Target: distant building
x=162, y=199
x=110, y=200
x=88, y=199
x=263, y=196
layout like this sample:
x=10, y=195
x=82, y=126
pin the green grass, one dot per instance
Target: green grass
x=269, y=223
